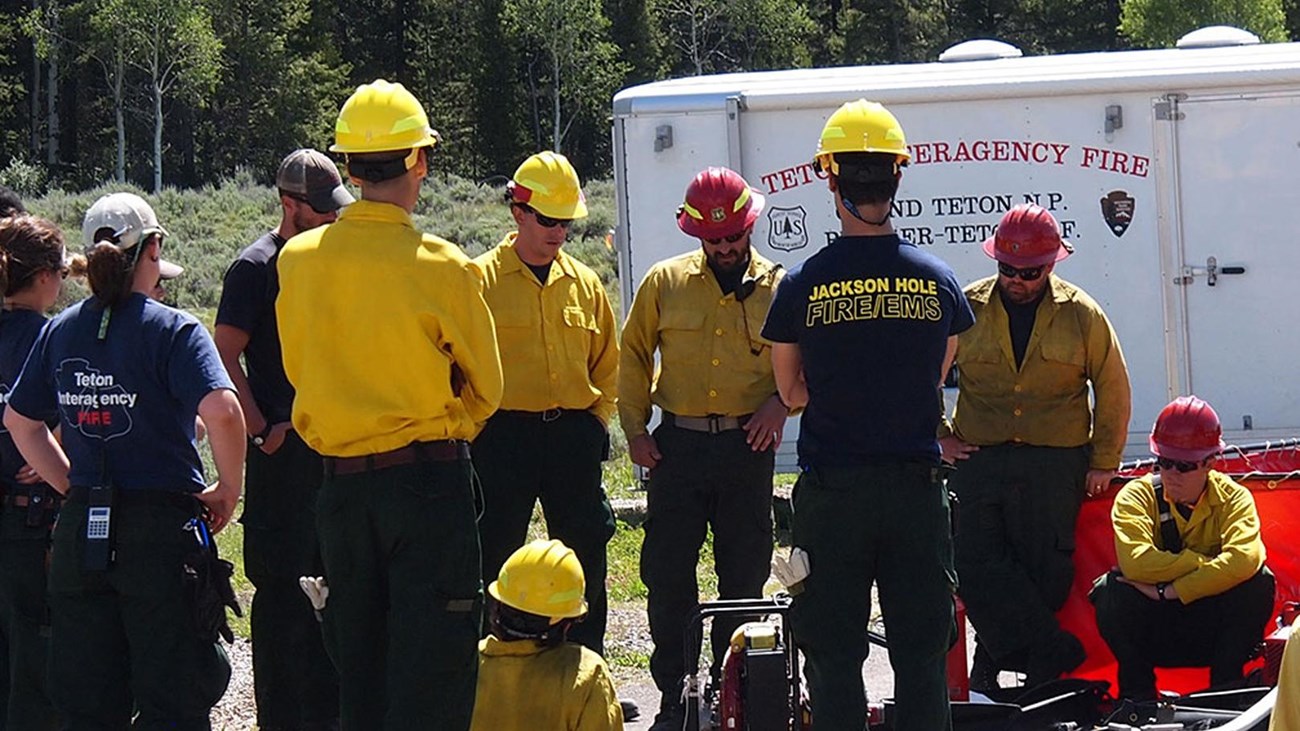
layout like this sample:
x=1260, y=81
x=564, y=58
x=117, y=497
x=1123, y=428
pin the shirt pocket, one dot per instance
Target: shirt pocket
x=580, y=329
x=681, y=336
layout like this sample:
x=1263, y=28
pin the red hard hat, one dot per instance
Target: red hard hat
x=1027, y=236
x=718, y=203
x=1187, y=429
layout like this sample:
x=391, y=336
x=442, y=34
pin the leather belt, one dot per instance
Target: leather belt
x=22, y=501
x=708, y=424
x=546, y=416
x=449, y=450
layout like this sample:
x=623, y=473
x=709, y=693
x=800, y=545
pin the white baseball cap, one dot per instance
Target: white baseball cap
x=128, y=220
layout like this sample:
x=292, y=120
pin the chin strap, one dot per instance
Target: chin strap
x=853, y=211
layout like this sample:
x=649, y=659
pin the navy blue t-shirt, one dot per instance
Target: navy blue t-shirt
x=872, y=316
x=127, y=403
x=18, y=330
x=248, y=304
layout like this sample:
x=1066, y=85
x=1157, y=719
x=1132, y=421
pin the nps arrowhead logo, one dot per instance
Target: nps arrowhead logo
x=1118, y=208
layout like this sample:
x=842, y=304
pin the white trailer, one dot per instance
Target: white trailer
x=1174, y=173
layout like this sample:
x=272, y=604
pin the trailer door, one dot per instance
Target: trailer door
x=1238, y=270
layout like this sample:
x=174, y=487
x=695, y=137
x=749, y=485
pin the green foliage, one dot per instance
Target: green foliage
x=1160, y=23
x=210, y=225
x=572, y=69
x=25, y=178
x=712, y=36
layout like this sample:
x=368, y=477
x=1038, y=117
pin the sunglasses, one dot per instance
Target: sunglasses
x=1182, y=466
x=1027, y=274
x=729, y=239
x=547, y=221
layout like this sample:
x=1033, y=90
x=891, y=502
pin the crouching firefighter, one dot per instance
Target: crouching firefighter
x=529, y=675
x=125, y=377
x=1191, y=588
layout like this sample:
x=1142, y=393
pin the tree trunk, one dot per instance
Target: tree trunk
x=35, y=116
x=119, y=69
x=556, y=131
x=157, y=137
x=52, y=130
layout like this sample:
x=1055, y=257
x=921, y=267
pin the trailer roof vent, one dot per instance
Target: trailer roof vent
x=980, y=49
x=1215, y=36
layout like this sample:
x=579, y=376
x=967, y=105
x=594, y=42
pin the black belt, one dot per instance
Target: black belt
x=22, y=496
x=447, y=450
x=187, y=501
x=714, y=424
x=546, y=416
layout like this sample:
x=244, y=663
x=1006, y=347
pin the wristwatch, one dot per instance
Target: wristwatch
x=260, y=438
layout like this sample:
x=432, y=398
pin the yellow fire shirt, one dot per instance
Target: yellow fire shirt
x=713, y=359
x=1221, y=542
x=559, y=341
x=373, y=316
x=1045, y=402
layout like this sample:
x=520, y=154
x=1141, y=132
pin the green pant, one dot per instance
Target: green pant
x=1221, y=631
x=520, y=458
x=1015, y=543
x=24, y=614
x=401, y=557
x=887, y=523
x=294, y=682
x=703, y=480
x=125, y=639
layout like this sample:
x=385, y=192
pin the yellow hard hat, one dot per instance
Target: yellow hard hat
x=861, y=126
x=542, y=578
x=382, y=117
x=549, y=185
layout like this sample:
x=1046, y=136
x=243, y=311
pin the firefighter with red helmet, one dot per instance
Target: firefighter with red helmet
x=1191, y=588
x=1041, y=419
x=712, y=456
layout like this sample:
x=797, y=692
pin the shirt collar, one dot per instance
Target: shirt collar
x=366, y=210
x=983, y=290
x=491, y=646
x=697, y=265
x=510, y=261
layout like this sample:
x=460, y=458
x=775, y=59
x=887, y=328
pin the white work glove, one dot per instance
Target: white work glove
x=316, y=590
x=793, y=571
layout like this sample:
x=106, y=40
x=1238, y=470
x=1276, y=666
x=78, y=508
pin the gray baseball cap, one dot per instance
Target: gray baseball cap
x=124, y=220
x=311, y=176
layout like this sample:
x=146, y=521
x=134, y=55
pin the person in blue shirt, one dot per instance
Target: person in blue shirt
x=863, y=332
x=32, y=269
x=125, y=375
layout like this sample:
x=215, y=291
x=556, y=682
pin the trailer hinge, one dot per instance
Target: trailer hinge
x=1167, y=108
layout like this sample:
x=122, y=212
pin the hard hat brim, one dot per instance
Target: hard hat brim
x=990, y=250
x=567, y=213
x=1182, y=453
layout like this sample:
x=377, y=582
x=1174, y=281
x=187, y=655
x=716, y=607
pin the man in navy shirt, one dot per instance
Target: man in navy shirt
x=293, y=680
x=863, y=332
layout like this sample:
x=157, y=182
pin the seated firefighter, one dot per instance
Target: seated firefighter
x=1191, y=588
x=529, y=675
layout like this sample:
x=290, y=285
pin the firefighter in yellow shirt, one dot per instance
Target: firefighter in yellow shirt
x=375, y=318
x=1286, y=710
x=1028, y=444
x=558, y=336
x=530, y=675
x=711, y=458
x=1191, y=588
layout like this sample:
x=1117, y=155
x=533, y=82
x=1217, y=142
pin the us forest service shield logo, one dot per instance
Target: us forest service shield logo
x=1117, y=208
x=786, y=228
